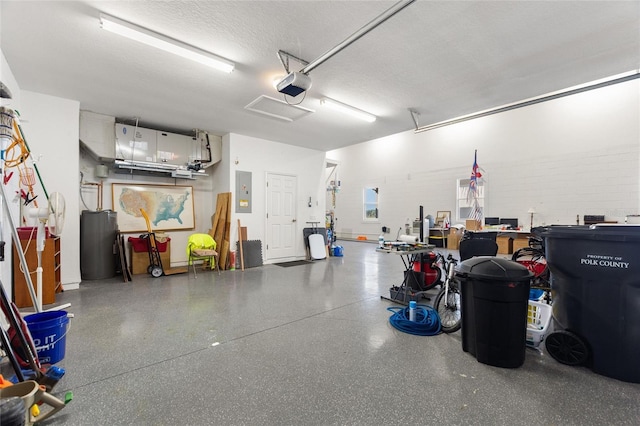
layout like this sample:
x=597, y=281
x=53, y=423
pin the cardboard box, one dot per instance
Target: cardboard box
x=473, y=225
x=505, y=244
x=139, y=261
x=453, y=241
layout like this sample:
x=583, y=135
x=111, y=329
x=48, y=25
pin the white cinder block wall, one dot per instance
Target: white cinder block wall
x=568, y=157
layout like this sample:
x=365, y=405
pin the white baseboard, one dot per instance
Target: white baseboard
x=70, y=286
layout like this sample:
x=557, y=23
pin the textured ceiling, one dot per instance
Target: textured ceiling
x=442, y=59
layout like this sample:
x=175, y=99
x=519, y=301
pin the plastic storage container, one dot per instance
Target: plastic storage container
x=595, y=281
x=141, y=245
x=30, y=232
x=495, y=295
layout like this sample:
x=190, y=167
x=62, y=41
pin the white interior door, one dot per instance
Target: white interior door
x=281, y=216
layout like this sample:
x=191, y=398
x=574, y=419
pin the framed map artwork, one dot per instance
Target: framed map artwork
x=168, y=207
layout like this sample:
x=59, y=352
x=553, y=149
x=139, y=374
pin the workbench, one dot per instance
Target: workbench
x=408, y=254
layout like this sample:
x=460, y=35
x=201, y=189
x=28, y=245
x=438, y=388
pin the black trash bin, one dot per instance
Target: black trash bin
x=495, y=296
x=595, y=282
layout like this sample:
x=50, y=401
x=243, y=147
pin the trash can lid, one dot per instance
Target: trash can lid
x=602, y=231
x=494, y=268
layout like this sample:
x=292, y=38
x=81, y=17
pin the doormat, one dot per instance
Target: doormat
x=293, y=263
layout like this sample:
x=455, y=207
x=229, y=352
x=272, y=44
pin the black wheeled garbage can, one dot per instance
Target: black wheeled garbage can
x=495, y=297
x=595, y=284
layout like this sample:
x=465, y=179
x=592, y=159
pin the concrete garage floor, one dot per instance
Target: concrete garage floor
x=302, y=345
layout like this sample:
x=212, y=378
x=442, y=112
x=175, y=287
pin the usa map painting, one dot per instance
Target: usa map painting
x=168, y=207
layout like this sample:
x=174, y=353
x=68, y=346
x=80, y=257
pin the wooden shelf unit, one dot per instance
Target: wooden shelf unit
x=51, y=282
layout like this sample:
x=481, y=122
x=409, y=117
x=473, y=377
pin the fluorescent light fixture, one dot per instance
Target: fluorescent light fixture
x=348, y=109
x=596, y=84
x=165, y=43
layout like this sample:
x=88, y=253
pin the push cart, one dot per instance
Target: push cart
x=155, y=267
x=155, y=262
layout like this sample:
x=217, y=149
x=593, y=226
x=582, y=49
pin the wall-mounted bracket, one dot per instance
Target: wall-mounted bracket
x=415, y=116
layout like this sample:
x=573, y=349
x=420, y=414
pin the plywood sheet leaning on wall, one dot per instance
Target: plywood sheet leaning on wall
x=217, y=221
x=214, y=219
x=221, y=227
x=226, y=239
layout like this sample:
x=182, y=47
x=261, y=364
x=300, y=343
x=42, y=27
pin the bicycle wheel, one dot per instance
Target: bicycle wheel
x=449, y=310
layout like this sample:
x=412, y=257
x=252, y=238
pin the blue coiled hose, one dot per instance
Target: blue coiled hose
x=427, y=321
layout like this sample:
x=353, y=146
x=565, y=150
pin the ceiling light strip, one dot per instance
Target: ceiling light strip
x=165, y=43
x=348, y=109
x=619, y=78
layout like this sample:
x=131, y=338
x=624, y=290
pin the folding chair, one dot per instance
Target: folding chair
x=202, y=247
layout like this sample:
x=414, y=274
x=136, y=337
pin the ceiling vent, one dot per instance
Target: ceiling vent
x=278, y=109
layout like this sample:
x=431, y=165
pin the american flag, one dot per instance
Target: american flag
x=475, y=175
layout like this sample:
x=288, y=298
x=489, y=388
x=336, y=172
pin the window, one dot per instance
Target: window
x=464, y=204
x=370, y=210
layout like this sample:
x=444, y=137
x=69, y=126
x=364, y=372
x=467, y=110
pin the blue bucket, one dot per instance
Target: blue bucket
x=338, y=251
x=48, y=330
